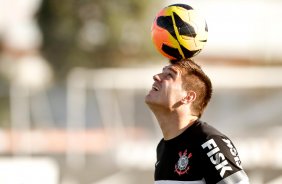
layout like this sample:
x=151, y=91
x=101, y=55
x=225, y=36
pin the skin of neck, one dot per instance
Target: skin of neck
x=174, y=122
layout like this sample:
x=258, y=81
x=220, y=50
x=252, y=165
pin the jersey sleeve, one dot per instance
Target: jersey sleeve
x=221, y=162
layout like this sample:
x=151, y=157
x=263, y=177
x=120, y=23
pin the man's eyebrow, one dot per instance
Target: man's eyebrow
x=170, y=68
x=173, y=70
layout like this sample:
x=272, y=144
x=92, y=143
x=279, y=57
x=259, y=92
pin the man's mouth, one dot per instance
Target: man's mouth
x=155, y=88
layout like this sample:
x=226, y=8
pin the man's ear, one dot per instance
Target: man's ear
x=190, y=97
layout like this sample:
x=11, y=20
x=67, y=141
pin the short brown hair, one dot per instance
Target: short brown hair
x=195, y=79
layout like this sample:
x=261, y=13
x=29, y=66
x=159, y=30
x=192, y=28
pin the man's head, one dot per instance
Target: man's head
x=194, y=79
x=181, y=83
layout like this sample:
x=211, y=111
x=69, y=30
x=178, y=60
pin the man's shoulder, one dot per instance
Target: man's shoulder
x=220, y=155
x=205, y=131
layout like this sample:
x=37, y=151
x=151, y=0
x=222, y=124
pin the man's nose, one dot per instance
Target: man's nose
x=157, y=77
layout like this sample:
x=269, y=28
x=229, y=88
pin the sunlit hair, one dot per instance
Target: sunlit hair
x=196, y=80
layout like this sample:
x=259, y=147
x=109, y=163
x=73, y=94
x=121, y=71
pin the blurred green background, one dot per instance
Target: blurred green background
x=96, y=33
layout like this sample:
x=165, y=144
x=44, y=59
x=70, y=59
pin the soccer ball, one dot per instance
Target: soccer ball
x=179, y=32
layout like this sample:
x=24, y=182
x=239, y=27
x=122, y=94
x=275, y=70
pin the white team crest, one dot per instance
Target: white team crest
x=182, y=165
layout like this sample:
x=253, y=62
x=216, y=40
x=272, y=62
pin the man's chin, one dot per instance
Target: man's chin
x=151, y=102
x=148, y=100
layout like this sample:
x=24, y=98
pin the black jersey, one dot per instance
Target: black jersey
x=200, y=155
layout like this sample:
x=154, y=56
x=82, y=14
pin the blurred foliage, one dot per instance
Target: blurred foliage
x=95, y=33
x=4, y=105
x=4, y=112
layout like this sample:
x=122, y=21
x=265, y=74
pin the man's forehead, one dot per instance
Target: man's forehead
x=173, y=68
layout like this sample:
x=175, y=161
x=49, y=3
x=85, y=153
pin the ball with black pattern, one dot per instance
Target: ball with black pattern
x=179, y=32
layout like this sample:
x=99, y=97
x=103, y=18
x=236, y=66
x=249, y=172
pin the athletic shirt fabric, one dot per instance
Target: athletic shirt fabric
x=200, y=155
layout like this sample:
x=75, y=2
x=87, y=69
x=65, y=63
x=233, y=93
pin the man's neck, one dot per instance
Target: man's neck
x=175, y=123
